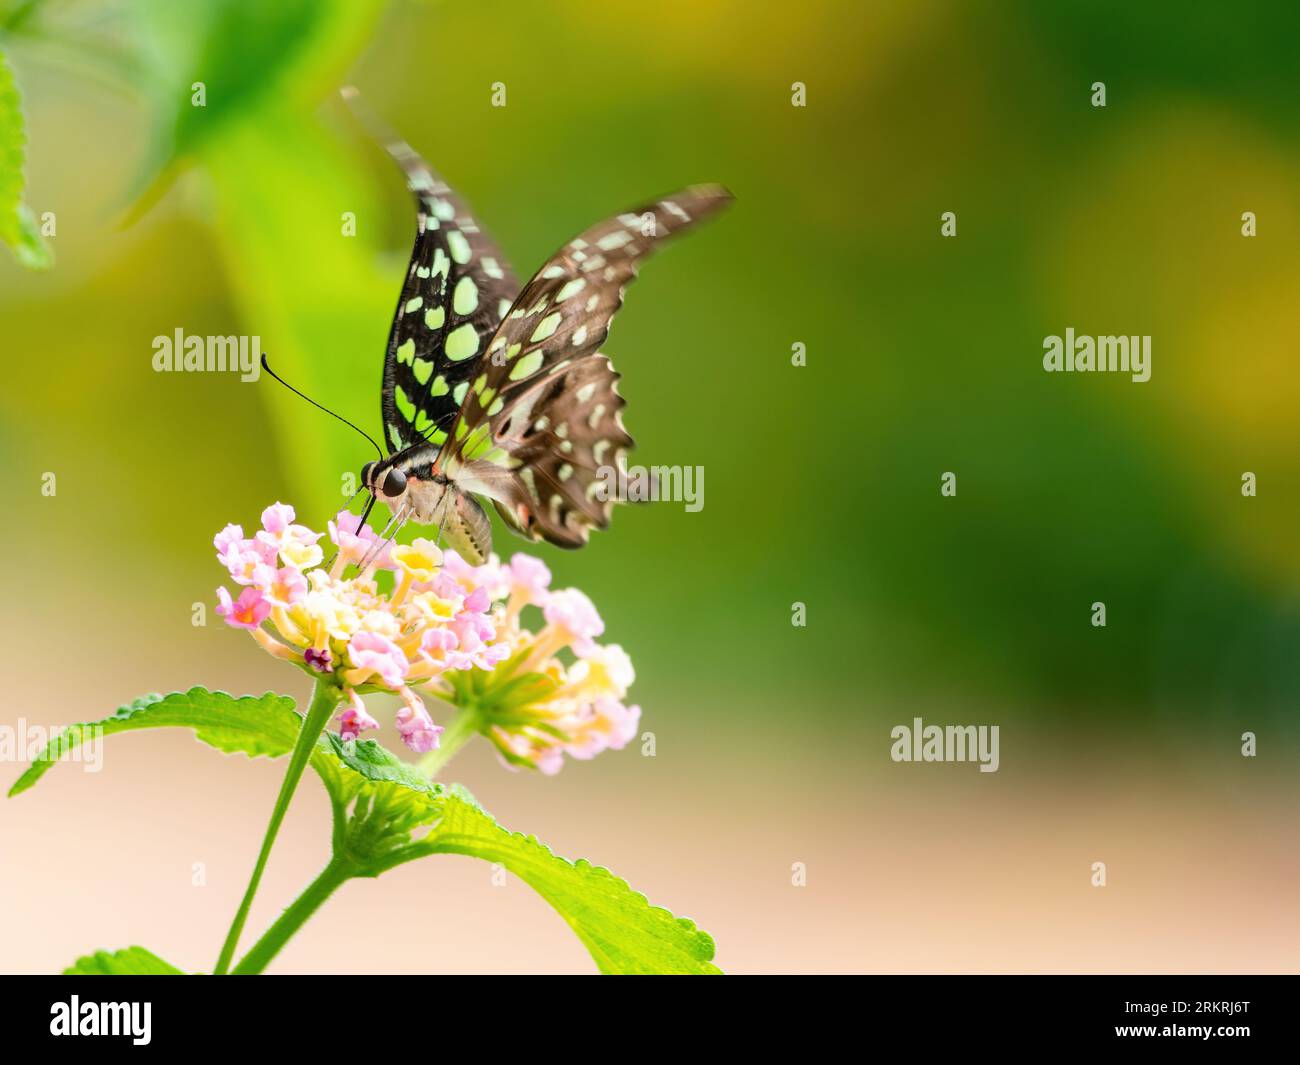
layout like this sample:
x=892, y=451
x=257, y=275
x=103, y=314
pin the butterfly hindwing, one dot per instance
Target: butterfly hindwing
x=457, y=289
x=541, y=425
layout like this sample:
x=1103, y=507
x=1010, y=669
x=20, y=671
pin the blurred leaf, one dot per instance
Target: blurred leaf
x=623, y=932
x=18, y=228
x=319, y=300
x=245, y=55
x=133, y=961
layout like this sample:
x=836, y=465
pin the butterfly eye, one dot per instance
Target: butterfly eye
x=366, y=471
x=394, y=483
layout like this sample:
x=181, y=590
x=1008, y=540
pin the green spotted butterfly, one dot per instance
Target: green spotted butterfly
x=499, y=392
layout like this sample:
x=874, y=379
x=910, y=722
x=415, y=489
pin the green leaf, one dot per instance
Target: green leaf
x=18, y=228
x=249, y=56
x=390, y=798
x=253, y=725
x=134, y=961
x=623, y=932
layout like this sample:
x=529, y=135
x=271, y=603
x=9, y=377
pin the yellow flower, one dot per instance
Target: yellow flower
x=301, y=555
x=421, y=559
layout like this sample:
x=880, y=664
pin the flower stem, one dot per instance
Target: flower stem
x=330, y=879
x=458, y=733
x=324, y=698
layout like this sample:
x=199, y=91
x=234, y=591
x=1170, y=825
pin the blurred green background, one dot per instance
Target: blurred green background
x=822, y=482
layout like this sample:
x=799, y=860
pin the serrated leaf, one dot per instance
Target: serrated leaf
x=133, y=961
x=396, y=796
x=253, y=725
x=256, y=725
x=622, y=931
x=18, y=228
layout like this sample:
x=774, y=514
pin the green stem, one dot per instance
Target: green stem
x=324, y=698
x=461, y=730
x=275, y=937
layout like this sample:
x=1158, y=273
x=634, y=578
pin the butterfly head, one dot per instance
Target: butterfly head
x=384, y=480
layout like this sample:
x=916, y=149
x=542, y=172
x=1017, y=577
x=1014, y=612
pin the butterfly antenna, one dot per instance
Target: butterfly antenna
x=267, y=367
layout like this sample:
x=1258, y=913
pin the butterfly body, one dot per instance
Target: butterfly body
x=428, y=496
x=500, y=391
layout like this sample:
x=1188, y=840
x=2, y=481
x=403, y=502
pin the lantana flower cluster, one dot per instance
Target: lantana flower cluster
x=445, y=629
x=538, y=707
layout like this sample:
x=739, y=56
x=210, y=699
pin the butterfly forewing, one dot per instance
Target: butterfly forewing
x=540, y=424
x=456, y=292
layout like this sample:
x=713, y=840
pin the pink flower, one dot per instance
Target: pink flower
x=247, y=612
x=231, y=534
x=435, y=644
x=550, y=760
x=354, y=719
x=491, y=576
x=277, y=518
x=529, y=578
x=611, y=725
x=372, y=653
x=414, y=724
x=295, y=544
x=352, y=539
x=603, y=668
x=473, y=631
x=241, y=557
x=282, y=587
x=575, y=614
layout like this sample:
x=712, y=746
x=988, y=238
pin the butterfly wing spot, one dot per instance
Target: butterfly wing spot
x=465, y=298
x=526, y=366
x=458, y=246
x=570, y=289
x=462, y=343
x=614, y=241
x=546, y=328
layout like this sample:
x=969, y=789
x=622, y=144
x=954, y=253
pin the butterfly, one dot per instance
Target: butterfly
x=499, y=392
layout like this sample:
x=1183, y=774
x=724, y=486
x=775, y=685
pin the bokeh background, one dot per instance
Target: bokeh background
x=1120, y=744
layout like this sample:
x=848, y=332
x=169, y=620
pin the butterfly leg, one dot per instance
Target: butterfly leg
x=398, y=520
